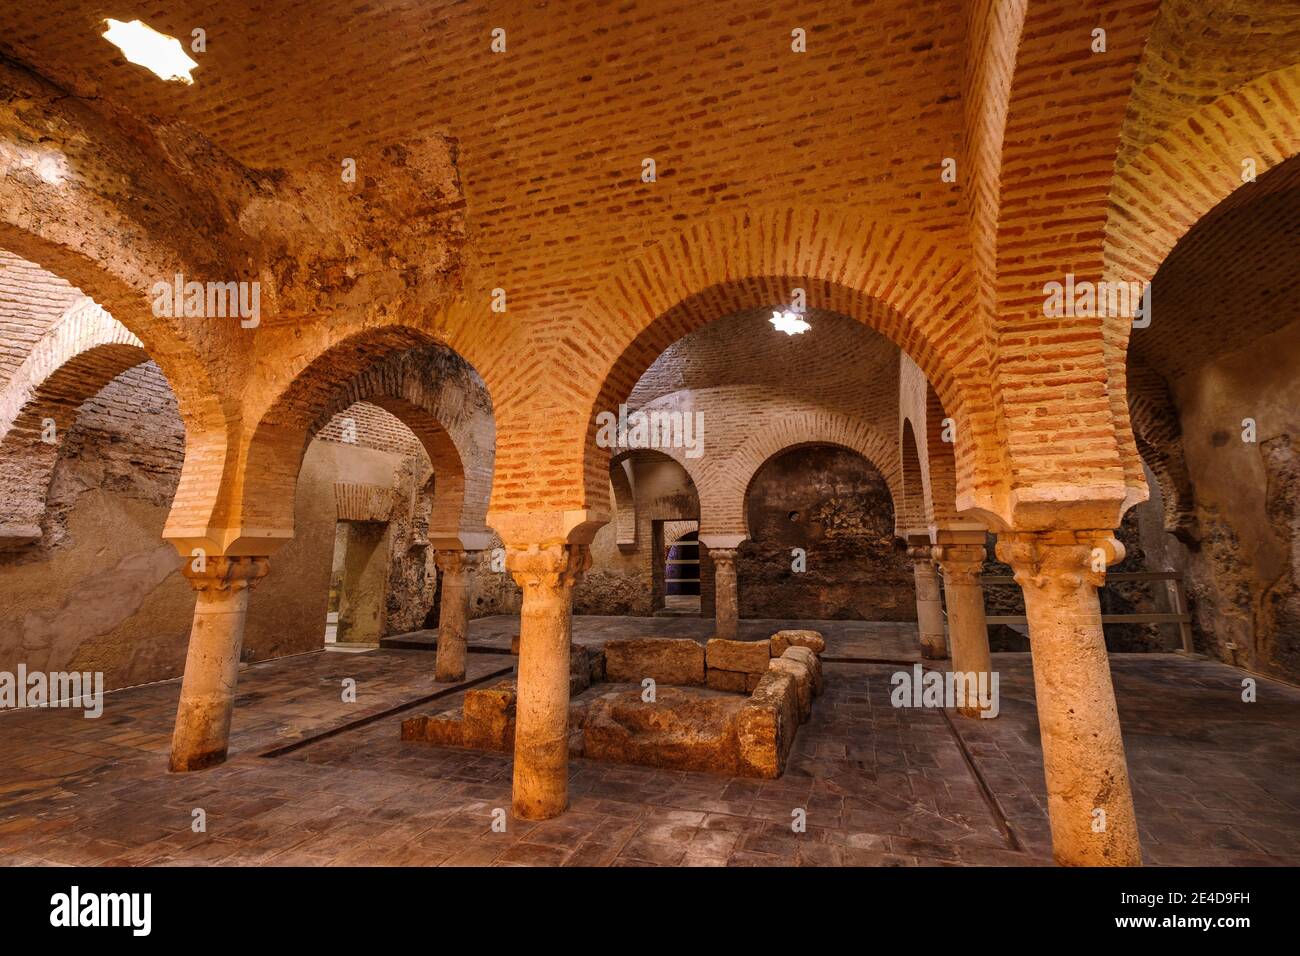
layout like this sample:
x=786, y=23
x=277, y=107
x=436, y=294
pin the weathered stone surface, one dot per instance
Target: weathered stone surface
x=749, y=657
x=809, y=639
x=803, y=682
x=596, y=658
x=514, y=645
x=578, y=713
x=666, y=660
x=576, y=744
x=579, y=669
x=728, y=680
x=846, y=520
x=489, y=722
x=609, y=591
x=810, y=660
x=680, y=729
x=444, y=729
x=486, y=722
x=766, y=725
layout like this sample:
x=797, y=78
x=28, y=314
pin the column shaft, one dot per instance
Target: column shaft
x=1088, y=796
x=547, y=576
x=929, y=605
x=201, y=736
x=453, y=613
x=968, y=630
x=726, y=608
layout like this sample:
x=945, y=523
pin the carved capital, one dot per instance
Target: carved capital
x=225, y=573
x=456, y=563
x=723, y=558
x=551, y=569
x=920, y=553
x=961, y=563
x=1059, y=559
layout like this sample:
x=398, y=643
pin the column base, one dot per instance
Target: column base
x=200, y=761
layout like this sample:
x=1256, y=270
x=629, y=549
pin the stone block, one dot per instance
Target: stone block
x=577, y=746
x=809, y=660
x=679, y=730
x=597, y=661
x=803, y=682
x=514, y=645
x=444, y=729
x=666, y=660
x=578, y=713
x=747, y=657
x=579, y=669
x=728, y=680
x=489, y=721
x=809, y=639
x=766, y=725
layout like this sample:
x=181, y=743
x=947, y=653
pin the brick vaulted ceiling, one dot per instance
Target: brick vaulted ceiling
x=546, y=146
x=558, y=128
x=838, y=363
x=1200, y=49
x=1231, y=280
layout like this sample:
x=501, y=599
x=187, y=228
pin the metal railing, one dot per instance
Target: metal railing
x=1181, y=616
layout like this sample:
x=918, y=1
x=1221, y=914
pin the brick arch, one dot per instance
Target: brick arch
x=902, y=283
x=724, y=484
x=79, y=355
x=929, y=463
x=624, y=503
x=425, y=385
x=488, y=342
x=1170, y=186
x=910, y=509
x=1158, y=434
x=941, y=464
x=111, y=272
x=76, y=183
x=675, y=531
x=624, y=491
x=1196, y=165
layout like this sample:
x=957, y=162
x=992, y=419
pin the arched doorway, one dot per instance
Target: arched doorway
x=682, y=574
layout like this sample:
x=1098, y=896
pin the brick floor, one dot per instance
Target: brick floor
x=1215, y=779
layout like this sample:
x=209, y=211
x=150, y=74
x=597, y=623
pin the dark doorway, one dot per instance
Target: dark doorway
x=682, y=567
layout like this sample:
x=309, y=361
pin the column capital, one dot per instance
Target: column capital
x=961, y=563
x=551, y=567
x=224, y=573
x=921, y=553
x=1070, y=559
x=455, y=561
x=723, y=556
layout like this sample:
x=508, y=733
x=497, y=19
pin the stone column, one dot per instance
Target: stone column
x=202, y=732
x=547, y=576
x=929, y=605
x=968, y=630
x=1088, y=796
x=453, y=614
x=726, y=609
